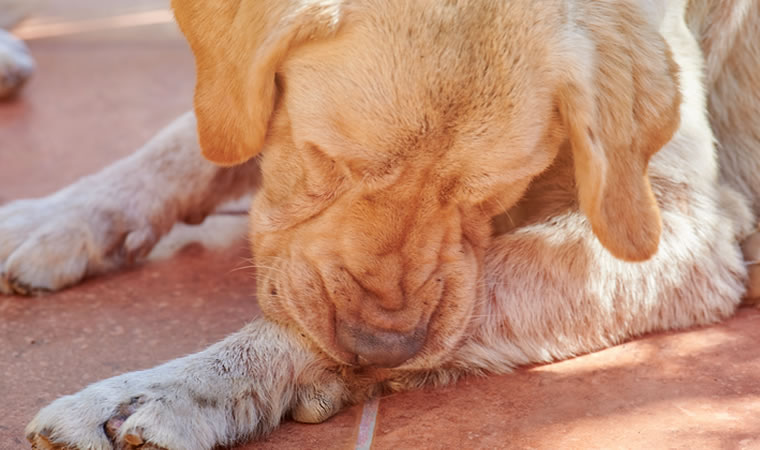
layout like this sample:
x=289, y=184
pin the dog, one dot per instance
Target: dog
x=441, y=189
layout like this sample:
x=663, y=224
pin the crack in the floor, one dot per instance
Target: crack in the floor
x=367, y=424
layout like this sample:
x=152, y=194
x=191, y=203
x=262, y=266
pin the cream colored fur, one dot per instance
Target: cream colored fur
x=547, y=287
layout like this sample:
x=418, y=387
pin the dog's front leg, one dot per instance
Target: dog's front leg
x=235, y=390
x=117, y=215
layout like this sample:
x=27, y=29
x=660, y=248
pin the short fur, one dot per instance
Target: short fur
x=442, y=188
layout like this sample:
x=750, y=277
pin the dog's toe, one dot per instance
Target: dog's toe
x=319, y=402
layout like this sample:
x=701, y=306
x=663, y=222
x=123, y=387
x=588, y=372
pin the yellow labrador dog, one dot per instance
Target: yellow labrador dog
x=442, y=188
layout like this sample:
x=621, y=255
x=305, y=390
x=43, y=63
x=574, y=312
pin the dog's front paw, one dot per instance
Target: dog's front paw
x=49, y=243
x=231, y=392
x=16, y=64
x=128, y=412
x=171, y=408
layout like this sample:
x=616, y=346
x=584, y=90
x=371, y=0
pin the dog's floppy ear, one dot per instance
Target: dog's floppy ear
x=238, y=46
x=620, y=105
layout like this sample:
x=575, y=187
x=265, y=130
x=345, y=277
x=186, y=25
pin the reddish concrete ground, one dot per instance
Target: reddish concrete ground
x=101, y=93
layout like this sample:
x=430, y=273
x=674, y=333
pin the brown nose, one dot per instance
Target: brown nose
x=378, y=348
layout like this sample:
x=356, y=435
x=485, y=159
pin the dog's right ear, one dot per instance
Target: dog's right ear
x=620, y=103
x=238, y=47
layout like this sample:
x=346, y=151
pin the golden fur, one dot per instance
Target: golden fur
x=446, y=187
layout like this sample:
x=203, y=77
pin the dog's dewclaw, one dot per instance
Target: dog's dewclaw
x=751, y=250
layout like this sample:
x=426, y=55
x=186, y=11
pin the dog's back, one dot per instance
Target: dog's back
x=729, y=36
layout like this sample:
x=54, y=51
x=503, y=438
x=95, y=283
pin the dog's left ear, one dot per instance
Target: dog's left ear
x=619, y=101
x=238, y=47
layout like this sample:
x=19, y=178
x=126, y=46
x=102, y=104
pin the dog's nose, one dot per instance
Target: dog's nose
x=378, y=348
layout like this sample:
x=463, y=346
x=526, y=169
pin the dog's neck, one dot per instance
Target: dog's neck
x=551, y=193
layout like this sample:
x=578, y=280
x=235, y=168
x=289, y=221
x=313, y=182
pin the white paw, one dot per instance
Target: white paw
x=130, y=411
x=16, y=64
x=170, y=408
x=160, y=409
x=49, y=243
x=233, y=391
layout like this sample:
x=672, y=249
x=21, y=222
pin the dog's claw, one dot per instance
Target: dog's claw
x=134, y=438
x=41, y=442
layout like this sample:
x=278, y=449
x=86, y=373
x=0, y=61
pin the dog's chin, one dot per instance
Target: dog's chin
x=444, y=333
x=432, y=355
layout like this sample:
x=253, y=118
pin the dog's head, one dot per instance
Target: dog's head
x=390, y=133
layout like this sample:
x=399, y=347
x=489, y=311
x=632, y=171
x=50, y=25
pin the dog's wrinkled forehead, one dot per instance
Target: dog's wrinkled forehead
x=415, y=66
x=423, y=83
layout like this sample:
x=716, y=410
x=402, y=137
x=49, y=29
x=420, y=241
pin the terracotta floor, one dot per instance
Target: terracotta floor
x=109, y=76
